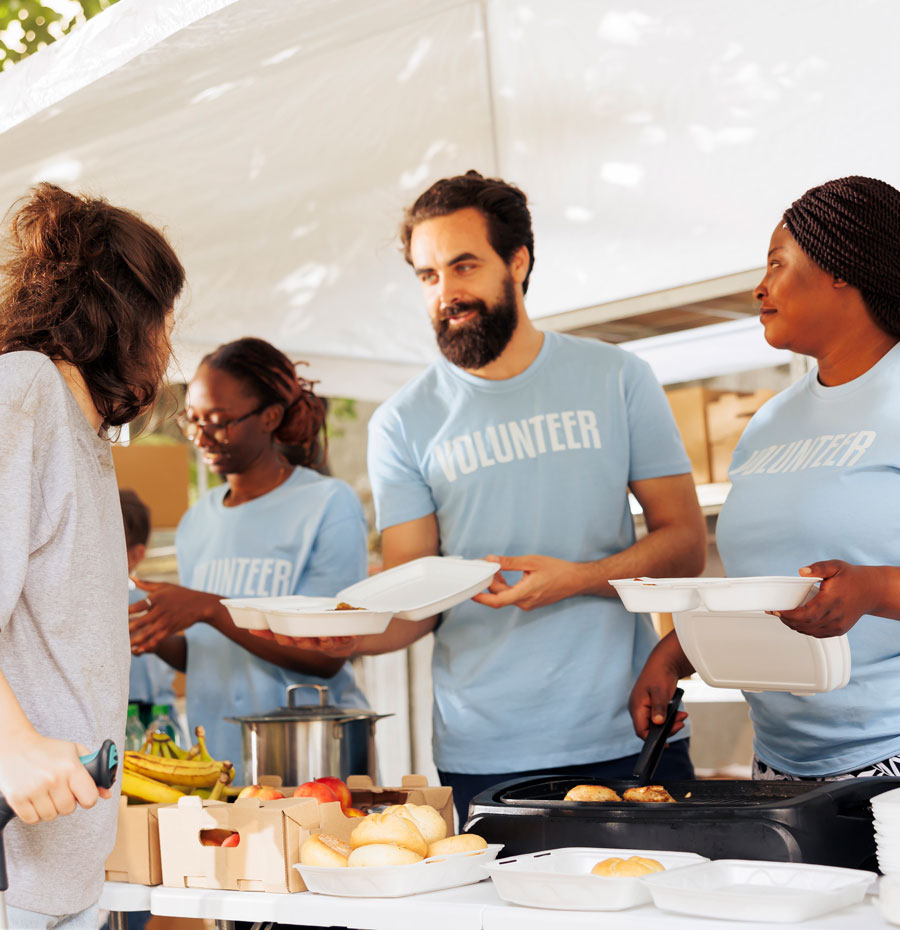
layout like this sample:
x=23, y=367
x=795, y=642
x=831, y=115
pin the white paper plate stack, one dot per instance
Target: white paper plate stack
x=886, y=819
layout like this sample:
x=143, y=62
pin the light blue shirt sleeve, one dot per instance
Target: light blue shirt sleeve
x=399, y=488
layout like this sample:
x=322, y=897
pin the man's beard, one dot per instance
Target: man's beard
x=479, y=341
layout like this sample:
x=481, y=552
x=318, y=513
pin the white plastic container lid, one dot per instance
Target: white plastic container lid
x=745, y=889
x=412, y=591
x=755, y=651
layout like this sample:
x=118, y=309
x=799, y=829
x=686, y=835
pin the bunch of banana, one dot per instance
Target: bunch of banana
x=166, y=772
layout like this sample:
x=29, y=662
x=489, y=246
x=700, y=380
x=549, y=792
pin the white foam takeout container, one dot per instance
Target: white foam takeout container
x=397, y=881
x=755, y=651
x=667, y=595
x=745, y=889
x=560, y=879
x=412, y=591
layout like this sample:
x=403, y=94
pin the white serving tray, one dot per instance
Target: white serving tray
x=758, y=592
x=745, y=889
x=560, y=879
x=755, y=651
x=397, y=881
x=412, y=591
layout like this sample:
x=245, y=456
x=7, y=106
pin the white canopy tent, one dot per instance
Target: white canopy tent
x=279, y=141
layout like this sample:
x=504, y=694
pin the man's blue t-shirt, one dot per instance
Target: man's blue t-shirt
x=151, y=679
x=538, y=463
x=816, y=475
x=308, y=536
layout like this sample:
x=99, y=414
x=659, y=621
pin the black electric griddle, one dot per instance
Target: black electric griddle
x=826, y=823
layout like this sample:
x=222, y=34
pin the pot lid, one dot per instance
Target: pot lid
x=322, y=710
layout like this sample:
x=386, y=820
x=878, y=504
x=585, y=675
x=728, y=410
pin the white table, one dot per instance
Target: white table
x=472, y=907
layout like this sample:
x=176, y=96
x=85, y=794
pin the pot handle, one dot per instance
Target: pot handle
x=322, y=689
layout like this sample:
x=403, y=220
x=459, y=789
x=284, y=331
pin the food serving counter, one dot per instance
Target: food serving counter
x=472, y=907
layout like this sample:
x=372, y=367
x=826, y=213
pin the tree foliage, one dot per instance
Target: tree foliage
x=29, y=25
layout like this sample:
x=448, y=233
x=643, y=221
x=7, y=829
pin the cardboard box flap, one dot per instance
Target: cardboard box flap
x=359, y=781
x=414, y=781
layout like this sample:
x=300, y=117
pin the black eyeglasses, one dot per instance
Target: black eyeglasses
x=219, y=433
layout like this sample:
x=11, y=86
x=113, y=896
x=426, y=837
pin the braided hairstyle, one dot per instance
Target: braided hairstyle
x=851, y=228
x=271, y=377
x=88, y=283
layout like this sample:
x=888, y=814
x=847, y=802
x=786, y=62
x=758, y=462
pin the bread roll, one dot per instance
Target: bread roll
x=627, y=868
x=652, y=794
x=381, y=854
x=388, y=828
x=323, y=849
x=591, y=793
x=424, y=818
x=464, y=842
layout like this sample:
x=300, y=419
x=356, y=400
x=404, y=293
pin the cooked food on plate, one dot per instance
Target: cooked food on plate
x=464, y=842
x=388, y=829
x=424, y=818
x=649, y=793
x=591, y=793
x=323, y=849
x=381, y=854
x=343, y=605
x=627, y=868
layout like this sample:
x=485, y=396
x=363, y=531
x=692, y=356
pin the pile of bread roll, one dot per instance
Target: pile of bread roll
x=401, y=835
x=631, y=867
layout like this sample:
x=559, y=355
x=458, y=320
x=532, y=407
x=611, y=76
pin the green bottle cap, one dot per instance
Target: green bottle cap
x=132, y=710
x=159, y=709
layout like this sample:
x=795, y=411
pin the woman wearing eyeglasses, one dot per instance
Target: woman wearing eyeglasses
x=271, y=529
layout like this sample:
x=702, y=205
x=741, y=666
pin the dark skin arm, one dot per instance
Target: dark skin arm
x=174, y=608
x=656, y=684
x=173, y=651
x=847, y=593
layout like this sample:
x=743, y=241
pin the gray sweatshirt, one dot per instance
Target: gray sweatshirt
x=63, y=616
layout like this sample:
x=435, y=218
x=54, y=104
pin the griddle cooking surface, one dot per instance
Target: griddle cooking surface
x=713, y=793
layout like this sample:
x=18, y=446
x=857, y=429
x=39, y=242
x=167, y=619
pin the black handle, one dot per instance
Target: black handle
x=656, y=741
x=102, y=766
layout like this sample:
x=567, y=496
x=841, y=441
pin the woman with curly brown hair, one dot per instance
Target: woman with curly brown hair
x=273, y=528
x=86, y=308
x=815, y=484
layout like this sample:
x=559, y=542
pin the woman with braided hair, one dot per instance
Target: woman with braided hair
x=816, y=485
x=273, y=528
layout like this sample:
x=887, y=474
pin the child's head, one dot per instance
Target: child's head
x=136, y=517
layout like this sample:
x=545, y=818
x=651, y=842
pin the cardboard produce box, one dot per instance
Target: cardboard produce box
x=135, y=857
x=414, y=789
x=271, y=834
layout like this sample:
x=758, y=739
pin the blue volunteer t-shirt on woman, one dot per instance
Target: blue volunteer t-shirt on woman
x=537, y=463
x=308, y=536
x=816, y=475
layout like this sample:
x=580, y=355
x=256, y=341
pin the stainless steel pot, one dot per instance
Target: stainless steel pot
x=301, y=742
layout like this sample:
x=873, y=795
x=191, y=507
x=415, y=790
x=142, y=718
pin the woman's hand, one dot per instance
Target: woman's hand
x=656, y=684
x=43, y=778
x=167, y=609
x=846, y=593
x=337, y=647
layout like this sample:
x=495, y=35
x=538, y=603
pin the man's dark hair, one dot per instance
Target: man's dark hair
x=851, y=228
x=503, y=205
x=136, y=517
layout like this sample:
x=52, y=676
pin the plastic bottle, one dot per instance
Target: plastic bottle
x=161, y=722
x=134, y=729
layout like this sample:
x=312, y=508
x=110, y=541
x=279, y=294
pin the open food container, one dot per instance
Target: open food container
x=561, y=879
x=755, y=651
x=743, y=889
x=434, y=874
x=412, y=591
x=668, y=595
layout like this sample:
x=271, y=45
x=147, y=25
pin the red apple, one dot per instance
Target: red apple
x=339, y=788
x=353, y=812
x=231, y=841
x=213, y=837
x=263, y=792
x=314, y=789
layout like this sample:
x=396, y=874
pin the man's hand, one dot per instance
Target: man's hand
x=167, y=609
x=846, y=593
x=544, y=581
x=43, y=778
x=656, y=684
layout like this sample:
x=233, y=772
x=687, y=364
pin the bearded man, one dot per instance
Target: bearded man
x=519, y=441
